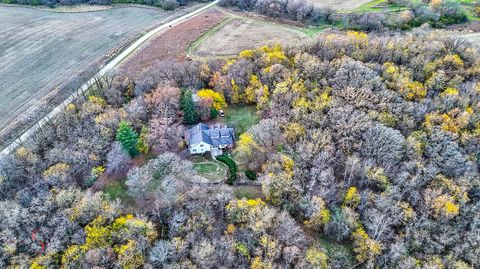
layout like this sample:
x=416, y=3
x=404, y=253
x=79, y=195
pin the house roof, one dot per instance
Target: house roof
x=214, y=136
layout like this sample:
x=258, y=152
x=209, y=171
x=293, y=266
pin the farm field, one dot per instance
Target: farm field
x=169, y=45
x=341, y=5
x=238, y=34
x=40, y=51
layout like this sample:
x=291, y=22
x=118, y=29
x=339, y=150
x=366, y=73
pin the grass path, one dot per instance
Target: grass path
x=374, y=7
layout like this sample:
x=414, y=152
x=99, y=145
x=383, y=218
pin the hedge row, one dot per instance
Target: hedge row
x=232, y=166
x=251, y=175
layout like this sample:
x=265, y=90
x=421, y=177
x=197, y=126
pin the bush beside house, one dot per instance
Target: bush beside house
x=232, y=166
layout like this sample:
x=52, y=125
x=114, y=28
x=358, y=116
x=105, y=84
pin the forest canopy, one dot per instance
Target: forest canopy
x=366, y=142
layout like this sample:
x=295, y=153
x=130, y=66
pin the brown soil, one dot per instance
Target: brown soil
x=171, y=44
x=46, y=56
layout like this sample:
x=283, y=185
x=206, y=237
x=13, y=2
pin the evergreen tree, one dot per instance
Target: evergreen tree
x=188, y=106
x=128, y=138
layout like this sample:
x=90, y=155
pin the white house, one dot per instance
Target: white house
x=203, y=138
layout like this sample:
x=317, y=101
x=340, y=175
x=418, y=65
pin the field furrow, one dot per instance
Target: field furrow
x=41, y=50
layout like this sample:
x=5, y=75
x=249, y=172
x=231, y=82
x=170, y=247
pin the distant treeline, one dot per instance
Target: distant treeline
x=437, y=14
x=164, y=4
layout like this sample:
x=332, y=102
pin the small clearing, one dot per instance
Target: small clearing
x=239, y=34
x=116, y=189
x=241, y=118
x=248, y=192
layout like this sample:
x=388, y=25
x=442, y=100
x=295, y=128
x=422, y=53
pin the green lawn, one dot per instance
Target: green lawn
x=312, y=32
x=206, y=168
x=379, y=6
x=369, y=6
x=210, y=169
x=116, y=189
x=241, y=118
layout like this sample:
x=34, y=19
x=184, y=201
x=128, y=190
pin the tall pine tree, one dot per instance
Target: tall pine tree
x=188, y=106
x=128, y=138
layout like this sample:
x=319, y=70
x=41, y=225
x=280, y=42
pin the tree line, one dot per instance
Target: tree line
x=436, y=13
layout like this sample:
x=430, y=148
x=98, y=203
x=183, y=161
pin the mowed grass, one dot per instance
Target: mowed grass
x=380, y=6
x=210, y=169
x=41, y=50
x=370, y=6
x=116, y=190
x=339, y=5
x=241, y=118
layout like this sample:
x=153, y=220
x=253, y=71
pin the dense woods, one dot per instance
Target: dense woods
x=365, y=155
x=367, y=144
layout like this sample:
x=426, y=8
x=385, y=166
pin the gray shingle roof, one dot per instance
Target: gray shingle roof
x=214, y=136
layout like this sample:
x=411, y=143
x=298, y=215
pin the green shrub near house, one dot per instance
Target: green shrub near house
x=232, y=166
x=251, y=175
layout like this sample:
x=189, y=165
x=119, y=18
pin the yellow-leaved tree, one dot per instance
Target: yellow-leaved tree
x=352, y=198
x=366, y=248
x=245, y=146
x=320, y=216
x=125, y=236
x=218, y=101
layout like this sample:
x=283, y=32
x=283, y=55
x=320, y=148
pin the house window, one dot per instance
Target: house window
x=194, y=150
x=201, y=145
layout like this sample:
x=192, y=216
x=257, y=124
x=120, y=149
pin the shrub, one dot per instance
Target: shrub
x=251, y=175
x=232, y=166
x=213, y=113
x=452, y=12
